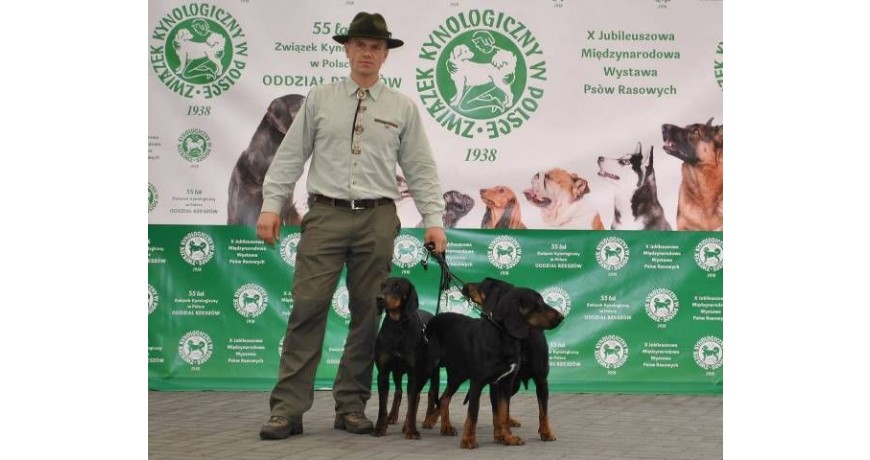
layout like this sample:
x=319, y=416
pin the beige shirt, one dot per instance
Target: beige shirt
x=392, y=133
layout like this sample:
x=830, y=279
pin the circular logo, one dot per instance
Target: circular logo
x=612, y=253
x=194, y=145
x=504, y=252
x=288, y=248
x=197, y=248
x=718, y=60
x=341, y=302
x=153, y=299
x=484, y=74
x=611, y=351
x=557, y=298
x=250, y=300
x=708, y=254
x=152, y=197
x=662, y=305
x=195, y=348
x=407, y=251
x=453, y=301
x=708, y=352
x=198, y=49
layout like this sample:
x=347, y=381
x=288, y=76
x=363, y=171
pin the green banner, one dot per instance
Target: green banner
x=643, y=309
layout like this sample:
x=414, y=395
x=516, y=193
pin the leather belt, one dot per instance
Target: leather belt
x=352, y=204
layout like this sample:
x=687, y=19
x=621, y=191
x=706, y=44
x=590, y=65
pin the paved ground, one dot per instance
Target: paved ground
x=225, y=425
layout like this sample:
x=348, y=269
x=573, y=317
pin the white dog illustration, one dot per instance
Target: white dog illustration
x=467, y=74
x=560, y=195
x=189, y=50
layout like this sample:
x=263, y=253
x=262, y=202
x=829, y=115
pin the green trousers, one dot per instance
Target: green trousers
x=333, y=237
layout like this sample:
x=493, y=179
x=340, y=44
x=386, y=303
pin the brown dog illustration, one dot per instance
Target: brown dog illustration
x=502, y=208
x=699, y=146
x=246, y=181
x=560, y=195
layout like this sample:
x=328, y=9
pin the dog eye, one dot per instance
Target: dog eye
x=624, y=162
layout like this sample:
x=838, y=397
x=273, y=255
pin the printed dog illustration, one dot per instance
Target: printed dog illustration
x=456, y=206
x=502, y=208
x=246, y=181
x=699, y=146
x=189, y=50
x=467, y=74
x=560, y=195
x=635, y=200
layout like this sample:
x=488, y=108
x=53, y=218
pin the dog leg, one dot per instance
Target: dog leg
x=383, y=395
x=431, y=405
x=410, y=428
x=503, y=402
x=544, y=429
x=393, y=417
x=469, y=434
x=444, y=404
x=497, y=431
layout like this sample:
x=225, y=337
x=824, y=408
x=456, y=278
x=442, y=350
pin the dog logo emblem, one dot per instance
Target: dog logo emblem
x=557, y=298
x=198, y=49
x=611, y=351
x=195, y=348
x=197, y=248
x=407, y=251
x=288, y=248
x=194, y=145
x=708, y=353
x=153, y=299
x=250, y=300
x=612, y=253
x=341, y=302
x=480, y=73
x=708, y=254
x=453, y=301
x=504, y=252
x=152, y=197
x=662, y=305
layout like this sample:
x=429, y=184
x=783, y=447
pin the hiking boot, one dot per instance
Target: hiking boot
x=354, y=422
x=279, y=427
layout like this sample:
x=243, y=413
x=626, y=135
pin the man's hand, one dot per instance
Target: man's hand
x=269, y=227
x=436, y=235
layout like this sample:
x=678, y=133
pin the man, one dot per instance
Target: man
x=355, y=132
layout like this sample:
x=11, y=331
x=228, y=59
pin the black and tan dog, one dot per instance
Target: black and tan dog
x=401, y=349
x=486, y=352
x=534, y=355
x=246, y=182
x=699, y=146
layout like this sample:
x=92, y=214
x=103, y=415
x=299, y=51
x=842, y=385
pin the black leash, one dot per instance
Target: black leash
x=447, y=277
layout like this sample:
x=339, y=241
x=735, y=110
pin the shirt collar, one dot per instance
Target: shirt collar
x=350, y=88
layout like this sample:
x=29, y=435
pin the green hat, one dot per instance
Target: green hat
x=367, y=25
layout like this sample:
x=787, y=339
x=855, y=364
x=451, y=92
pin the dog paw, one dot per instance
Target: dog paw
x=378, y=432
x=468, y=443
x=448, y=431
x=412, y=434
x=511, y=440
x=548, y=437
x=515, y=423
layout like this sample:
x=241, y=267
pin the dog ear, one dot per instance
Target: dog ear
x=581, y=186
x=507, y=312
x=516, y=217
x=278, y=116
x=412, y=303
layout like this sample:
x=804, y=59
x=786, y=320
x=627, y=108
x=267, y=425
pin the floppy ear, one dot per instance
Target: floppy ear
x=412, y=303
x=581, y=186
x=507, y=312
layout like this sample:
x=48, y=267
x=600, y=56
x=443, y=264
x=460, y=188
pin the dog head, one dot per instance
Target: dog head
x=282, y=111
x=625, y=169
x=518, y=309
x=699, y=143
x=398, y=297
x=456, y=206
x=550, y=188
x=501, y=201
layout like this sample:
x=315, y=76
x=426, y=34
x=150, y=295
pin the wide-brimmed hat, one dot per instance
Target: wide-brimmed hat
x=367, y=25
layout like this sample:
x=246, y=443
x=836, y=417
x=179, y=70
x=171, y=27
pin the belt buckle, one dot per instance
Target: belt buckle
x=353, y=206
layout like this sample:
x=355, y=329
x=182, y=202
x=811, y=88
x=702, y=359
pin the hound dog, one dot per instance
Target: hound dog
x=700, y=147
x=246, y=181
x=534, y=355
x=561, y=197
x=400, y=349
x=486, y=352
x=502, y=208
x=456, y=206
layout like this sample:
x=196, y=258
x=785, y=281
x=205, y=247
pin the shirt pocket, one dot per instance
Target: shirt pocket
x=386, y=132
